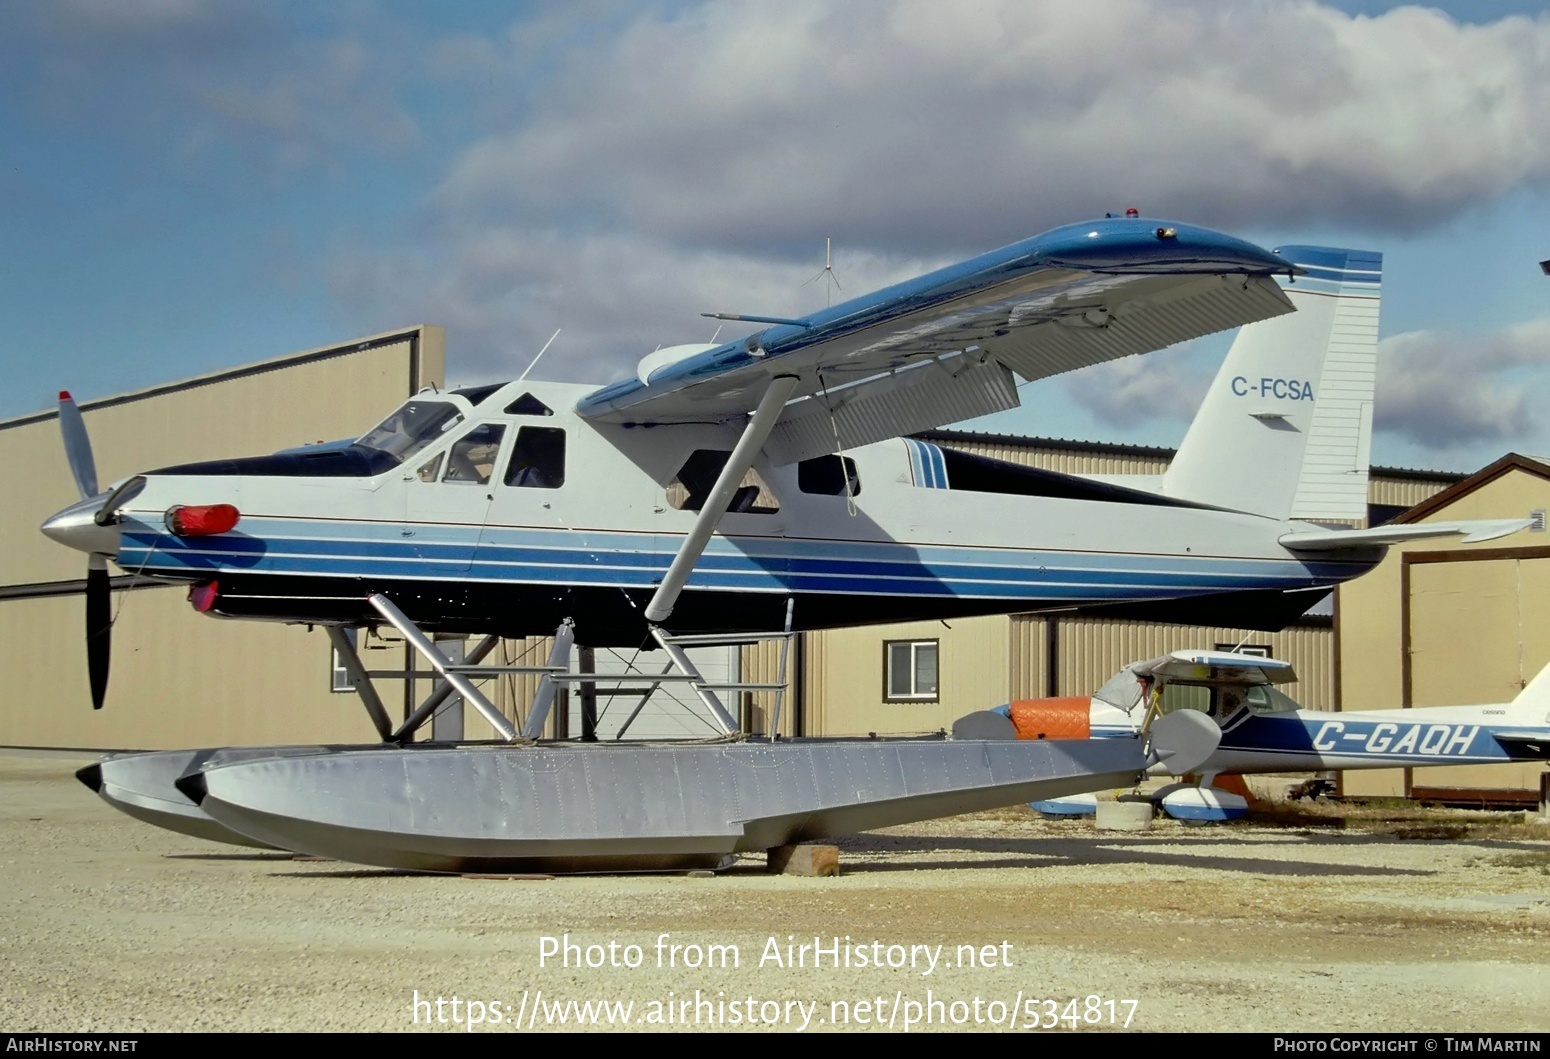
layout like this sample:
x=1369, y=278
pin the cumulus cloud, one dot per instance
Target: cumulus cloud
x=966, y=125
x=1160, y=386
x=503, y=290
x=1445, y=391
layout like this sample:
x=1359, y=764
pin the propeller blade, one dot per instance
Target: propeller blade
x=99, y=628
x=77, y=445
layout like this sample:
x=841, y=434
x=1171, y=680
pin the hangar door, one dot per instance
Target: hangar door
x=1477, y=630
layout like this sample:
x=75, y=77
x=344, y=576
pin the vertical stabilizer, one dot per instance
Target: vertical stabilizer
x=1532, y=706
x=1286, y=427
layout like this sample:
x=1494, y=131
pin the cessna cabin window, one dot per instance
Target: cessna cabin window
x=537, y=459
x=828, y=476
x=472, y=459
x=412, y=427
x=1265, y=699
x=689, y=490
x=429, y=472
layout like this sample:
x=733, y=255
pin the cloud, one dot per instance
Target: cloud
x=946, y=127
x=502, y=291
x=1444, y=392
x=1159, y=386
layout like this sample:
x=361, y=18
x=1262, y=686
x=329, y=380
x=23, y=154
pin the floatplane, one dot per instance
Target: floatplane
x=761, y=486
x=1263, y=730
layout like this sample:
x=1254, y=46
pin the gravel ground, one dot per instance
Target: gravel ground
x=1335, y=922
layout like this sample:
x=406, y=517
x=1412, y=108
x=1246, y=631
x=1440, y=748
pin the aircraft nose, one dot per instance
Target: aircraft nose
x=76, y=527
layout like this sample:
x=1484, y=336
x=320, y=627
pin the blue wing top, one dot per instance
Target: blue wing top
x=942, y=347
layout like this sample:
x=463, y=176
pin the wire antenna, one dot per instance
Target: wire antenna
x=831, y=282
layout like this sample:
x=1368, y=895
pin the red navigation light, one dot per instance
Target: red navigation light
x=202, y=595
x=1132, y=212
x=201, y=521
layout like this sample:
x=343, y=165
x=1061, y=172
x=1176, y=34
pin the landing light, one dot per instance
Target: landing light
x=202, y=520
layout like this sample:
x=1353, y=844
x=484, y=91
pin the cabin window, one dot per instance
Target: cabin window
x=528, y=405
x=472, y=459
x=537, y=459
x=910, y=671
x=1263, y=698
x=430, y=470
x=476, y=394
x=691, y=487
x=828, y=476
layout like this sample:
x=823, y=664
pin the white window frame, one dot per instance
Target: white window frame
x=915, y=694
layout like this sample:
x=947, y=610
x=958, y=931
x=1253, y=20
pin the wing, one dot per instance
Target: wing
x=943, y=347
x=1217, y=666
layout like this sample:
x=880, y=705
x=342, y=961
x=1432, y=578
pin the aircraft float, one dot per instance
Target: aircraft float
x=763, y=486
x=1264, y=730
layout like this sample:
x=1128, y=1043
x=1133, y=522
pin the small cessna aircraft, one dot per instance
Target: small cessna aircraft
x=757, y=485
x=1262, y=730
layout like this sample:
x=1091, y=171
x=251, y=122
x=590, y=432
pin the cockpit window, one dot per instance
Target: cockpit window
x=412, y=427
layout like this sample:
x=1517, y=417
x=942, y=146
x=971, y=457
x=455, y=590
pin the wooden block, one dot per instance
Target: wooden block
x=805, y=858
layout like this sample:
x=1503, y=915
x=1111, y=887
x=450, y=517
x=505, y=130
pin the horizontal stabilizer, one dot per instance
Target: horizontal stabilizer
x=1473, y=532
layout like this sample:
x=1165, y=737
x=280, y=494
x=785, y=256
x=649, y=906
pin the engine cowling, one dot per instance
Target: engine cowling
x=1063, y=718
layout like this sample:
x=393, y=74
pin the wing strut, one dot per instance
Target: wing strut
x=748, y=446
x=443, y=668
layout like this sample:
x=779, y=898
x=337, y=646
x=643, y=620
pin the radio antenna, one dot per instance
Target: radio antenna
x=831, y=281
x=541, y=352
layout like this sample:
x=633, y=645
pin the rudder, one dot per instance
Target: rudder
x=1285, y=430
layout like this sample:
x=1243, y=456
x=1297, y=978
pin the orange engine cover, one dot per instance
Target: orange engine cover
x=1069, y=718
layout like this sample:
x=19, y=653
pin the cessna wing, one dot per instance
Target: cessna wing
x=942, y=347
x=1215, y=667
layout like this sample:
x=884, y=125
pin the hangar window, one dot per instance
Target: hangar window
x=537, y=459
x=828, y=476
x=691, y=487
x=910, y=671
x=472, y=459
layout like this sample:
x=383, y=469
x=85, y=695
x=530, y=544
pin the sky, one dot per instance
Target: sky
x=187, y=185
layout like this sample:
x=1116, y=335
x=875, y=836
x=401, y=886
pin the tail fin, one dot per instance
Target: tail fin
x=1286, y=428
x=1532, y=706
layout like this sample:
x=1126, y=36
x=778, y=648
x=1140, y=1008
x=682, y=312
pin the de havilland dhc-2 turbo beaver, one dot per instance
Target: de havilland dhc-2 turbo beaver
x=764, y=485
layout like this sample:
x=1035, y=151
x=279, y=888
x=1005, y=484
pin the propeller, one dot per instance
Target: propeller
x=99, y=590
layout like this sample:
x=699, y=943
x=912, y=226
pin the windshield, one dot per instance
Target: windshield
x=412, y=427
